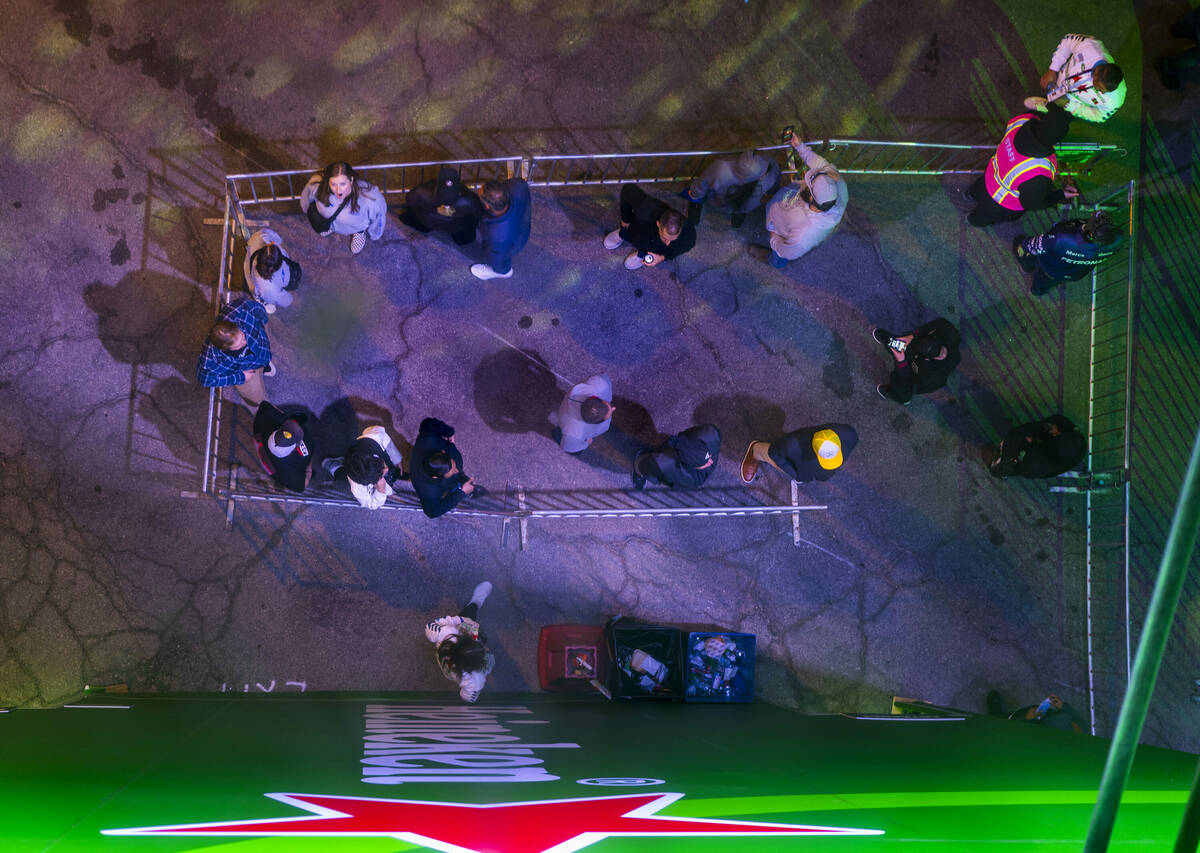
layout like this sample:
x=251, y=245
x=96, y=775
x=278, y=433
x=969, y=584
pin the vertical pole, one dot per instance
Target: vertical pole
x=1189, y=830
x=1131, y=197
x=795, y=515
x=523, y=524
x=1171, y=574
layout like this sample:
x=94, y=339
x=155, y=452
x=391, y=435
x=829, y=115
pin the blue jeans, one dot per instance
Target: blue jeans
x=774, y=260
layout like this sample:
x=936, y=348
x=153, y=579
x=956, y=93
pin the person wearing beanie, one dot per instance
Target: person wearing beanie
x=683, y=461
x=804, y=455
x=444, y=203
x=657, y=231
x=922, y=360
x=804, y=213
x=1044, y=448
x=1020, y=175
x=1068, y=251
x=461, y=654
x=1082, y=79
x=584, y=414
x=282, y=451
x=370, y=466
x=437, y=470
x=735, y=187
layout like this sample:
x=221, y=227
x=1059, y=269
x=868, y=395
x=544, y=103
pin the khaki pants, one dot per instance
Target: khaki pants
x=253, y=391
x=759, y=449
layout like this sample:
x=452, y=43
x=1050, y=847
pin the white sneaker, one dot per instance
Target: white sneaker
x=270, y=371
x=1036, y=103
x=270, y=308
x=358, y=242
x=613, y=240
x=485, y=272
x=481, y=593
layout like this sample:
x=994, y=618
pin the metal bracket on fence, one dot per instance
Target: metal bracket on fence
x=233, y=475
x=1090, y=481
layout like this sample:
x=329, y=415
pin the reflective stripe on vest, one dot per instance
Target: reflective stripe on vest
x=1008, y=168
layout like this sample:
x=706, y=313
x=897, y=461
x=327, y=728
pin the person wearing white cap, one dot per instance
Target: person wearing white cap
x=282, y=451
x=802, y=214
x=804, y=455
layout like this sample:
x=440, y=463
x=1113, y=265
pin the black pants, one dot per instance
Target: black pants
x=461, y=234
x=986, y=211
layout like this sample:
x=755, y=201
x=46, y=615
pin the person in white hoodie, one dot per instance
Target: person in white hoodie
x=355, y=206
x=461, y=653
x=370, y=467
x=1082, y=79
x=802, y=214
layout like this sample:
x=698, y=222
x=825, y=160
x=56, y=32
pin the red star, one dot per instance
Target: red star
x=546, y=826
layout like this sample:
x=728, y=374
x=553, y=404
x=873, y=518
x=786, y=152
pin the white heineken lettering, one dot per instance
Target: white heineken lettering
x=429, y=743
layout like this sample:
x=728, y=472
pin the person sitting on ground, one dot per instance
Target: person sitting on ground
x=804, y=455
x=444, y=203
x=270, y=274
x=461, y=653
x=734, y=186
x=1082, y=79
x=1044, y=448
x=238, y=352
x=922, y=360
x=657, y=231
x=437, y=470
x=369, y=468
x=584, y=414
x=683, y=461
x=805, y=212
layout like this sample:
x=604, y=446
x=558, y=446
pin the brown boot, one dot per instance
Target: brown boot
x=749, y=465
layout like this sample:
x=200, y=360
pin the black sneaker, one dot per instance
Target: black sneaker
x=639, y=482
x=881, y=335
x=479, y=492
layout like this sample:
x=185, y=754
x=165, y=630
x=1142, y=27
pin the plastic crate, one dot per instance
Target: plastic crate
x=646, y=661
x=718, y=666
x=570, y=656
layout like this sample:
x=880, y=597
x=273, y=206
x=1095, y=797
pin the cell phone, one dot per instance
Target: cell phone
x=898, y=345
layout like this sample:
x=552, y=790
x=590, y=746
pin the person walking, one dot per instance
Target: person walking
x=460, y=651
x=270, y=274
x=657, y=231
x=505, y=227
x=922, y=360
x=337, y=201
x=683, y=461
x=1068, y=251
x=437, y=470
x=584, y=414
x=238, y=352
x=804, y=213
x=804, y=455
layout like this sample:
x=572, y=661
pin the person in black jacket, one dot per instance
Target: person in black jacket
x=683, y=461
x=924, y=359
x=657, y=231
x=444, y=204
x=505, y=228
x=1068, y=251
x=282, y=450
x=437, y=470
x=804, y=455
x=1044, y=448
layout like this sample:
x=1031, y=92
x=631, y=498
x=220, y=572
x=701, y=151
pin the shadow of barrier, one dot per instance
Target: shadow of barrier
x=252, y=194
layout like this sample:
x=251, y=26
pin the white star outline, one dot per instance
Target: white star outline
x=577, y=842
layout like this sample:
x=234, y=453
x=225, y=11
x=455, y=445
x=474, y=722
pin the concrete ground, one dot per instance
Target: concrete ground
x=925, y=577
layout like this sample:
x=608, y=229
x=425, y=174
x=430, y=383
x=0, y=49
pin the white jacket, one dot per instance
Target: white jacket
x=451, y=629
x=369, y=496
x=1073, y=61
x=270, y=290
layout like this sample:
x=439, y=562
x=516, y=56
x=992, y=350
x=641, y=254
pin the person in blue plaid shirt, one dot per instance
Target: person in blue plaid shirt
x=238, y=352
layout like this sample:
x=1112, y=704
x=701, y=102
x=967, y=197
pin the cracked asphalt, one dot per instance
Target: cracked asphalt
x=925, y=577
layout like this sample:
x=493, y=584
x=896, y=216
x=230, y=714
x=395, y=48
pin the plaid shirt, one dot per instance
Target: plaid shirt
x=217, y=367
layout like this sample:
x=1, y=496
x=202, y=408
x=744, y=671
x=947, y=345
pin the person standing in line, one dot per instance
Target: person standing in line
x=1068, y=251
x=270, y=274
x=445, y=204
x=337, y=201
x=657, y=231
x=1082, y=79
x=1020, y=175
x=370, y=467
x=437, y=470
x=505, y=227
x=804, y=455
x=1044, y=448
x=923, y=359
x=585, y=413
x=238, y=352
x=282, y=451
x=461, y=654
x=733, y=186
x=683, y=461
x=805, y=212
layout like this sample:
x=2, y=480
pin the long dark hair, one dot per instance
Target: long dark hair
x=325, y=194
x=463, y=655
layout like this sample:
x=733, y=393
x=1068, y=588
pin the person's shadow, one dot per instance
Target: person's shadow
x=741, y=419
x=515, y=392
x=631, y=431
x=338, y=426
